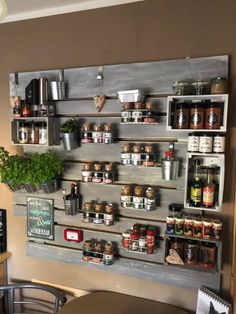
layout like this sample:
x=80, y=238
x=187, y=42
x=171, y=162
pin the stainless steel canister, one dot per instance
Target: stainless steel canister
x=57, y=90
x=170, y=168
x=43, y=90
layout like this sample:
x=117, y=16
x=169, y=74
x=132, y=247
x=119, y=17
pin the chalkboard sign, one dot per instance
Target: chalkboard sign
x=40, y=218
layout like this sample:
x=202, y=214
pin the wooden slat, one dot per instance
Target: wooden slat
x=181, y=277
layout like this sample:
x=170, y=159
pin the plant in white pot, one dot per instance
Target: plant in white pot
x=69, y=134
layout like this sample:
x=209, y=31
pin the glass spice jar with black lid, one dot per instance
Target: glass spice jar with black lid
x=213, y=115
x=197, y=115
x=181, y=116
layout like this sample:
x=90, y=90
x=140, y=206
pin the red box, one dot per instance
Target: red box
x=73, y=235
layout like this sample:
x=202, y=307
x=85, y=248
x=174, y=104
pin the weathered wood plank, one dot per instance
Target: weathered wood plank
x=179, y=276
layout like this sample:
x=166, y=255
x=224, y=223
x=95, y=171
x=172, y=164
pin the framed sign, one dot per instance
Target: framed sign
x=40, y=217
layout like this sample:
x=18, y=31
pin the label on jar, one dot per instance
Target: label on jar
x=195, y=119
x=137, y=114
x=193, y=143
x=23, y=135
x=125, y=156
x=42, y=136
x=205, y=144
x=212, y=118
x=136, y=156
x=219, y=144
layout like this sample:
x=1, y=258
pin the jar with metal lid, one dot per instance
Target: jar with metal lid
x=200, y=87
x=170, y=224
x=193, y=142
x=191, y=252
x=125, y=154
x=149, y=113
x=108, y=176
x=126, y=112
x=148, y=156
x=86, y=173
x=213, y=115
x=142, y=243
x=175, y=209
x=137, y=115
x=97, y=134
x=108, y=256
x=180, y=88
x=31, y=132
x=150, y=199
x=205, y=143
x=150, y=238
x=218, y=85
x=219, y=143
x=98, y=213
x=136, y=155
x=87, y=212
x=107, y=133
x=126, y=196
x=23, y=133
x=25, y=109
x=98, y=253
x=138, y=199
x=196, y=115
x=98, y=173
x=109, y=215
x=86, y=134
x=125, y=239
x=87, y=250
x=43, y=133
x=181, y=116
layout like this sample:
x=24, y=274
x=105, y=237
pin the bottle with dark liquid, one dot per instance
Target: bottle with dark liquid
x=196, y=186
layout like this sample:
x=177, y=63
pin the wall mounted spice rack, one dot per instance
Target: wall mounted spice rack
x=180, y=119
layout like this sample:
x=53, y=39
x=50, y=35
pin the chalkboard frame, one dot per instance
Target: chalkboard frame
x=50, y=204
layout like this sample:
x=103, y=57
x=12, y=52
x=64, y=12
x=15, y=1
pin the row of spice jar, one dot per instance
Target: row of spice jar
x=217, y=85
x=32, y=133
x=98, y=252
x=98, y=173
x=206, y=142
x=21, y=109
x=197, y=227
x=141, y=238
x=198, y=115
x=193, y=252
x=98, y=213
x=138, y=197
x=138, y=112
x=138, y=155
x=96, y=133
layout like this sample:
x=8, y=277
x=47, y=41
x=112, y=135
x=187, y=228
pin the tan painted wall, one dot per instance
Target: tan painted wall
x=149, y=31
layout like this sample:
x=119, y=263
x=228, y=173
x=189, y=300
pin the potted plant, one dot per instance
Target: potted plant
x=69, y=133
x=44, y=170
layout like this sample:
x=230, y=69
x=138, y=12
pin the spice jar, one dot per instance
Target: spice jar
x=205, y=143
x=107, y=133
x=149, y=116
x=136, y=155
x=150, y=237
x=170, y=224
x=125, y=155
x=126, y=196
x=150, y=201
x=148, y=157
x=175, y=209
x=180, y=88
x=213, y=115
x=207, y=229
x=188, y=226
x=196, y=115
x=219, y=143
x=23, y=133
x=88, y=207
x=87, y=250
x=190, y=252
x=98, y=173
x=217, y=229
x=137, y=115
x=125, y=239
x=218, y=85
x=86, y=172
x=98, y=253
x=193, y=142
x=43, y=133
x=197, y=228
x=126, y=113
x=200, y=87
x=109, y=216
x=108, y=175
x=98, y=213
x=86, y=134
x=181, y=116
x=15, y=102
x=133, y=241
x=108, y=257
x=207, y=255
x=179, y=225
x=138, y=200
x=97, y=134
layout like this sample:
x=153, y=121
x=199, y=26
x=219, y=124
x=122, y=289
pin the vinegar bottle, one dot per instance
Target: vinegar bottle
x=208, y=195
x=196, y=186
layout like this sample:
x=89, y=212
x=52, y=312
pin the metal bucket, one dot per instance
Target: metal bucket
x=57, y=90
x=169, y=169
x=70, y=141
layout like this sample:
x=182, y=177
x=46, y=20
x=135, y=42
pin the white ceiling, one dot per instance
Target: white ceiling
x=28, y=9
